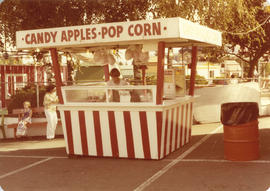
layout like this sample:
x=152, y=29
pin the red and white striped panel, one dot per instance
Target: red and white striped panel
x=176, y=131
x=126, y=134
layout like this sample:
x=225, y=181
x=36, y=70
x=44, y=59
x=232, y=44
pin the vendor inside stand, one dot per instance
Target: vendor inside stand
x=114, y=95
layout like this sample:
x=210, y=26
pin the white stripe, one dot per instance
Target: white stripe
x=90, y=133
x=163, y=134
x=169, y=132
x=137, y=134
x=179, y=126
x=63, y=120
x=175, y=161
x=24, y=168
x=76, y=134
x=174, y=129
x=152, y=132
x=121, y=133
x=105, y=133
x=184, y=126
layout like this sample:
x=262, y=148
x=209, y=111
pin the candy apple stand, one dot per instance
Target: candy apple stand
x=148, y=121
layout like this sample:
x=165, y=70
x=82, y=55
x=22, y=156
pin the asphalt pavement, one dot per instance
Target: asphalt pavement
x=36, y=164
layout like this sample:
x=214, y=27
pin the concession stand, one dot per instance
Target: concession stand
x=149, y=121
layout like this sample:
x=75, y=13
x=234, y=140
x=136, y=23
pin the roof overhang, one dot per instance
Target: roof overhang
x=175, y=32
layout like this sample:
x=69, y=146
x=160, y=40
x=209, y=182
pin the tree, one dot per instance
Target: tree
x=235, y=18
x=35, y=14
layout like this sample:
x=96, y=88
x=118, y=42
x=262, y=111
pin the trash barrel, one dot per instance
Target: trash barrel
x=241, y=132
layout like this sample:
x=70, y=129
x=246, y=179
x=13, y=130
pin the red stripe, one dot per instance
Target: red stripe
x=129, y=135
x=176, y=129
x=166, y=131
x=113, y=134
x=98, y=133
x=185, y=140
x=159, y=130
x=172, y=122
x=69, y=132
x=181, y=126
x=191, y=118
x=83, y=133
x=145, y=135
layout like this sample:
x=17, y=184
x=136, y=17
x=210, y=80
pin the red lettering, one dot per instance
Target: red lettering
x=119, y=30
x=82, y=37
x=33, y=39
x=94, y=33
x=112, y=31
x=156, y=28
x=26, y=39
x=54, y=35
x=63, y=36
x=40, y=38
x=70, y=34
x=104, y=31
x=129, y=30
x=138, y=29
x=147, y=28
x=76, y=34
x=88, y=34
x=47, y=37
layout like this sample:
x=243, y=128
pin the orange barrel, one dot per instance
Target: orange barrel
x=241, y=142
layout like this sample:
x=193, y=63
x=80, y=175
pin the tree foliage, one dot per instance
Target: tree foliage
x=235, y=18
x=18, y=15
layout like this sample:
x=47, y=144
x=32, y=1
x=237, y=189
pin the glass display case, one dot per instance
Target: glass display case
x=106, y=94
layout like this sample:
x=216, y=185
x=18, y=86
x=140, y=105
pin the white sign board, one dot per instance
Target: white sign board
x=170, y=29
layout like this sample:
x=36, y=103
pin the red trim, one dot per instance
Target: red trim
x=177, y=127
x=69, y=132
x=145, y=135
x=129, y=134
x=171, y=135
x=113, y=134
x=57, y=72
x=3, y=86
x=98, y=133
x=166, y=131
x=186, y=127
x=83, y=133
x=160, y=72
x=159, y=130
x=181, y=126
x=193, y=70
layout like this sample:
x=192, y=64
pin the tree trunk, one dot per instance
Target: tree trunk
x=252, y=65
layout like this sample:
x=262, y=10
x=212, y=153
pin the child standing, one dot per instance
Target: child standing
x=24, y=120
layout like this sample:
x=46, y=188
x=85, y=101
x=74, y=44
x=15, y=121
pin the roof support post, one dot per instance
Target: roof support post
x=160, y=73
x=193, y=70
x=57, y=72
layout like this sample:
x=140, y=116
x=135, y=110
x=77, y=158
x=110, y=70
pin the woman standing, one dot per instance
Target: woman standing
x=50, y=99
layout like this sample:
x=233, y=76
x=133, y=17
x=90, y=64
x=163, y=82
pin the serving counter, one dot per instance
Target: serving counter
x=95, y=125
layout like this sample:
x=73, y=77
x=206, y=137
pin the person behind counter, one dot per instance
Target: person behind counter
x=50, y=99
x=115, y=81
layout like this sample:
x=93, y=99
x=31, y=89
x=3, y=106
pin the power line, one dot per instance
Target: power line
x=254, y=29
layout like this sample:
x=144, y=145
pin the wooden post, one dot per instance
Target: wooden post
x=57, y=74
x=106, y=72
x=160, y=72
x=3, y=86
x=193, y=70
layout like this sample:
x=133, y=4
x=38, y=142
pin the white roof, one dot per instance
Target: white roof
x=173, y=31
